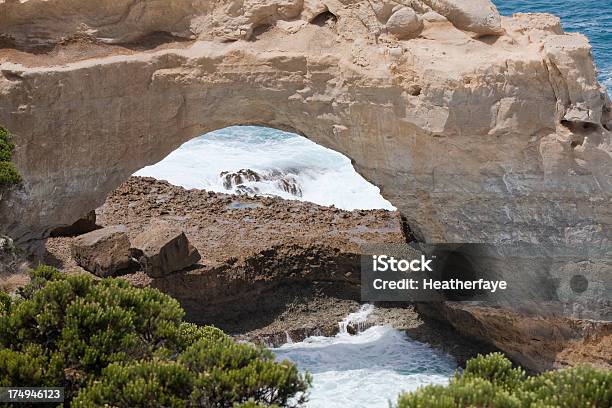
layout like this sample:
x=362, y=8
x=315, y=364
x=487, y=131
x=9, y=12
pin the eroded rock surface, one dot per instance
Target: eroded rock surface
x=258, y=277
x=509, y=144
x=536, y=342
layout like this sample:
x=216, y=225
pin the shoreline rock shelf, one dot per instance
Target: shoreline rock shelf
x=260, y=279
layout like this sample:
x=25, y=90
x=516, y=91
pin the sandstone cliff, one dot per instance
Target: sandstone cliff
x=474, y=138
x=477, y=127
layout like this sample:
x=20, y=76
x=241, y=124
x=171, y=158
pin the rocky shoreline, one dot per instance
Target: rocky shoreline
x=275, y=269
x=271, y=269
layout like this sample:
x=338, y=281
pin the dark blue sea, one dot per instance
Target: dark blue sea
x=590, y=17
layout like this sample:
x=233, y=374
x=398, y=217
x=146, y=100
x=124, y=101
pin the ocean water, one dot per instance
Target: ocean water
x=592, y=18
x=366, y=370
x=280, y=159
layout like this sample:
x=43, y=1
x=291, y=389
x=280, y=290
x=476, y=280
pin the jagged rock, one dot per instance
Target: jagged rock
x=290, y=185
x=564, y=56
x=404, y=24
x=232, y=179
x=313, y=9
x=162, y=249
x=103, y=252
x=80, y=226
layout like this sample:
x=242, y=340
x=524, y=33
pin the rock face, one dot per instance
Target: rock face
x=535, y=342
x=162, y=249
x=236, y=181
x=512, y=144
x=478, y=16
x=103, y=252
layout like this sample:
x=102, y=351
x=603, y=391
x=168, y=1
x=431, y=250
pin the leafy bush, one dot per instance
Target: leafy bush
x=8, y=173
x=491, y=381
x=109, y=343
x=496, y=369
x=6, y=145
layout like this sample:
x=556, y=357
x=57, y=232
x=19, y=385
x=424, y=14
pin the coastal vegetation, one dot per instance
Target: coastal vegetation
x=8, y=173
x=109, y=343
x=491, y=381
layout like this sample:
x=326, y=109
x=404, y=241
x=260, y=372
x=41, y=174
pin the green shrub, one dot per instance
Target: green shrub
x=582, y=386
x=491, y=382
x=237, y=372
x=109, y=343
x=8, y=173
x=496, y=369
x=6, y=145
x=5, y=303
x=144, y=384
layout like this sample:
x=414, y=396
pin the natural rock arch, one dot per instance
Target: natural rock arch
x=466, y=148
x=478, y=128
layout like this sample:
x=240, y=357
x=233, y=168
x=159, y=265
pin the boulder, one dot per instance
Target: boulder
x=103, y=252
x=163, y=249
x=81, y=226
x=404, y=24
x=478, y=16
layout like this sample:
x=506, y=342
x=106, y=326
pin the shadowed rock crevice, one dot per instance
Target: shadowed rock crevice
x=325, y=18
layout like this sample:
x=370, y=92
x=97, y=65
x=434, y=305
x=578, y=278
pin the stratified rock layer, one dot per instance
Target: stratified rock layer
x=501, y=139
x=481, y=129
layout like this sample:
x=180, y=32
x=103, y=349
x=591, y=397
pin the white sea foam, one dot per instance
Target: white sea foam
x=368, y=369
x=325, y=177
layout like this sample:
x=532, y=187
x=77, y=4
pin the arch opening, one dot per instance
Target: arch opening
x=257, y=160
